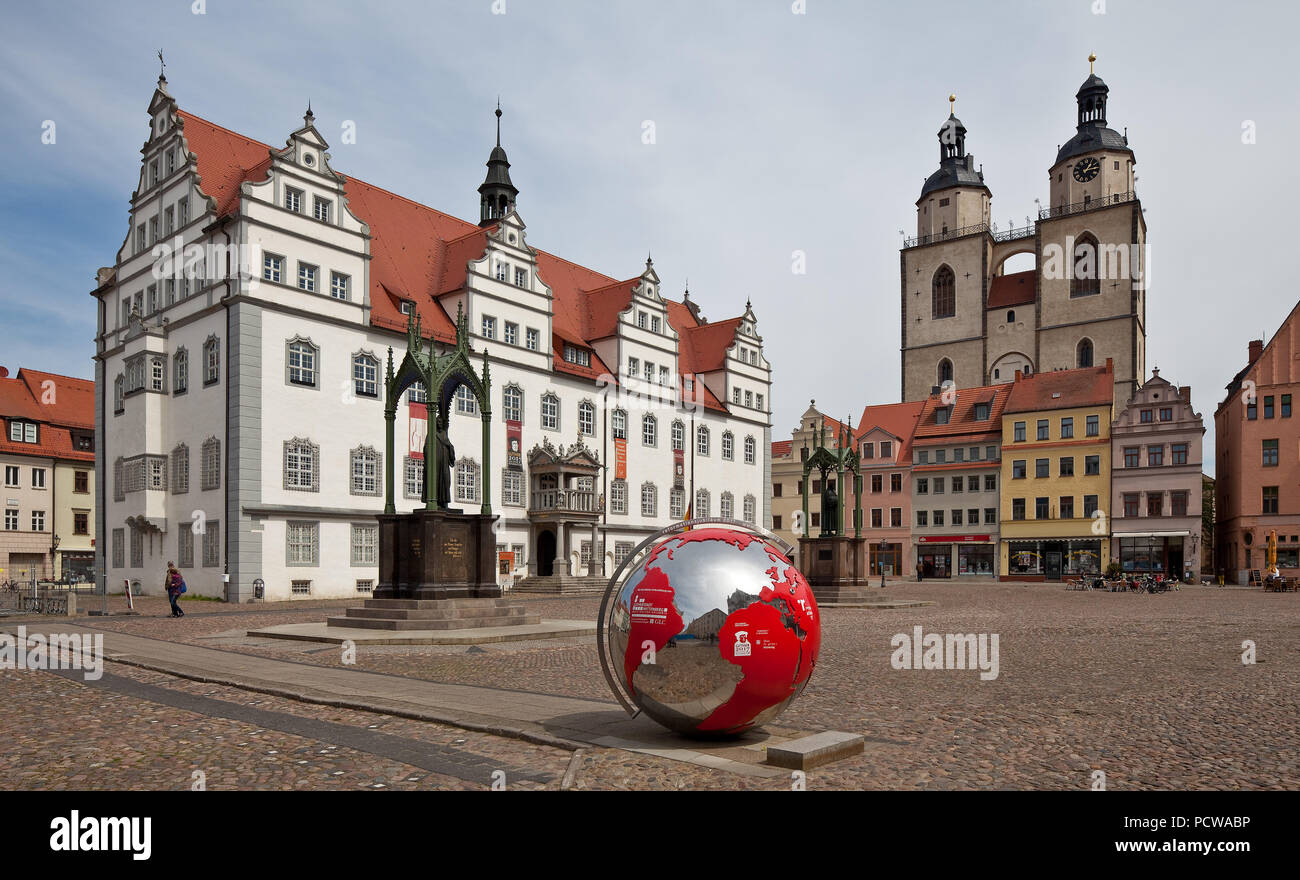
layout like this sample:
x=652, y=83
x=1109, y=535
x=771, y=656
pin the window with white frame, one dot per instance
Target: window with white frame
x=212, y=544
x=655, y=323
x=272, y=267
x=642, y=319
x=701, y=503
x=180, y=469
x=157, y=472
x=11, y=520
x=649, y=499
x=749, y=509
x=521, y=276
x=467, y=480
x=649, y=430
x=158, y=374
x=735, y=395
x=321, y=209
x=618, y=424
x=183, y=210
x=749, y=399
x=749, y=450
x=339, y=285
x=417, y=393
x=512, y=487
x=532, y=340
x=503, y=270
x=293, y=199
x=677, y=503
x=302, y=543
x=365, y=544
x=649, y=371
x=587, y=419
x=466, y=402
x=38, y=520
x=307, y=277
x=618, y=496
x=365, y=471
x=679, y=434
x=550, y=412
x=634, y=367
x=512, y=403
x=489, y=327
x=211, y=361
x=185, y=544
x=728, y=446
x=365, y=375
x=511, y=335
x=413, y=477
x=575, y=355
x=301, y=359
x=301, y=465
x=211, y=470
x=664, y=377
x=169, y=220
x=702, y=440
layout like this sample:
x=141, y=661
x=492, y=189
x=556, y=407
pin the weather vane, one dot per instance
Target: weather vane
x=162, y=66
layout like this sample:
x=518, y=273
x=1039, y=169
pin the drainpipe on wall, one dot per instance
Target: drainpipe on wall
x=225, y=568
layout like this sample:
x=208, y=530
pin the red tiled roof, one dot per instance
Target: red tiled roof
x=782, y=448
x=896, y=419
x=419, y=253
x=1016, y=289
x=1063, y=389
x=68, y=403
x=962, y=422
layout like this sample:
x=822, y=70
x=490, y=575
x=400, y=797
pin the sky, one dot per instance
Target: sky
x=778, y=127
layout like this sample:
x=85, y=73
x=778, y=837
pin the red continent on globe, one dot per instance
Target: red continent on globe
x=774, y=640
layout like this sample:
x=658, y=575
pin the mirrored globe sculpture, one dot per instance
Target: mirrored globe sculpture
x=709, y=629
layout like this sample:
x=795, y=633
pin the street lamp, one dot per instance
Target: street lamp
x=54, y=546
x=884, y=546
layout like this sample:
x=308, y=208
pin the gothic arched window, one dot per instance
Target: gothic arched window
x=1085, y=353
x=1085, y=267
x=944, y=293
x=945, y=371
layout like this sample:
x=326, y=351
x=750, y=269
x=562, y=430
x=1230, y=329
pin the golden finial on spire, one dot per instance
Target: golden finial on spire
x=1092, y=56
x=952, y=105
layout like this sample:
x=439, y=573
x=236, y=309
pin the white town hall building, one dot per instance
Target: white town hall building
x=243, y=335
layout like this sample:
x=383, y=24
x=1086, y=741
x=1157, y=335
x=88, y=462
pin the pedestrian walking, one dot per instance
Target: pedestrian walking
x=920, y=571
x=175, y=585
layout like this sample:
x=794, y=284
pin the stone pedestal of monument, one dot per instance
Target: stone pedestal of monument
x=835, y=566
x=437, y=554
x=437, y=571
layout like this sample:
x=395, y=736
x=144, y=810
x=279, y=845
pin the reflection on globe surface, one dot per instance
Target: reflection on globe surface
x=714, y=631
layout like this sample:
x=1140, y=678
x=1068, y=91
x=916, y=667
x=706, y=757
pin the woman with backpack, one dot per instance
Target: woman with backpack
x=175, y=585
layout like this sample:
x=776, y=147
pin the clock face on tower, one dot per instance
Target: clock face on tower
x=1086, y=169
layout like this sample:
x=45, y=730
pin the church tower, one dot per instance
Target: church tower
x=1092, y=259
x=496, y=193
x=944, y=270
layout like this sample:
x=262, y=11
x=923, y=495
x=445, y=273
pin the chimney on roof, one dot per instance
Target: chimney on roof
x=1185, y=392
x=1254, y=350
x=1018, y=375
x=1110, y=365
x=934, y=389
x=4, y=372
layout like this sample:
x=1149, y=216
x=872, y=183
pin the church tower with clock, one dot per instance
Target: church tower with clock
x=968, y=321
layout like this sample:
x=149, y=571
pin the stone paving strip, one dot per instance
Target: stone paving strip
x=562, y=722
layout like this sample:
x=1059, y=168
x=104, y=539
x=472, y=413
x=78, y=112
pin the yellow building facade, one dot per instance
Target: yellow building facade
x=1056, y=465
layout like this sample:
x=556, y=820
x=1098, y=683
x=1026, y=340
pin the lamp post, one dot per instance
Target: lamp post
x=54, y=547
x=884, y=545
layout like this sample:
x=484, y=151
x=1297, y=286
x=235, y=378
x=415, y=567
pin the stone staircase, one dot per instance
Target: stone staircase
x=839, y=595
x=562, y=585
x=435, y=614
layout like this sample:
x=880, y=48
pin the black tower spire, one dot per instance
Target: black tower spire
x=496, y=193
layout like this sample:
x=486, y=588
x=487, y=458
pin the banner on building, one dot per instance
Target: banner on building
x=620, y=458
x=419, y=421
x=679, y=468
x=514, y=445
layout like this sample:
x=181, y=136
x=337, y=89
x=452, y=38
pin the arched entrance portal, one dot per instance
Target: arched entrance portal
x=545, y=553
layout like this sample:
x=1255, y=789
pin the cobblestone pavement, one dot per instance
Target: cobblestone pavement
x=1149, y=689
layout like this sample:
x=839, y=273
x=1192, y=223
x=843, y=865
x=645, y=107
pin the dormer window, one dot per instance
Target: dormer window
x=22, y=432
x=942, y=415
x=868, y=450
x=886, y=449
x=575, y=355
x=981, y=412
x=406, y=306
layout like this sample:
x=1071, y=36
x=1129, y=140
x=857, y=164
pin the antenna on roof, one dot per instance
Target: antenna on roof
x=498, y=120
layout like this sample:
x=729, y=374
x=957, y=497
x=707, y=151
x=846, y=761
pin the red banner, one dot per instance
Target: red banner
x=419, y=415
x=514, y=445
x=679, y=468
x=620, y=458
x=953, y=539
